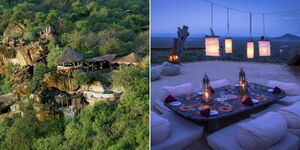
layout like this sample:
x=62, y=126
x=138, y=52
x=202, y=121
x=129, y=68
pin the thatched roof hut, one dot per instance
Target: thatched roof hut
x=107, y=57
x=132, y=58
x=69, y=56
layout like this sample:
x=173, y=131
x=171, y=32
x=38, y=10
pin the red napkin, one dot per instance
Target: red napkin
x=247, y=101
x=212, y=90
x=276, y=90
x=170, y=98
x=205, y=112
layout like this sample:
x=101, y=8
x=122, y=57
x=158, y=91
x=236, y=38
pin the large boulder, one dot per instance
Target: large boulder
x=22, y=89
x=95, y=86
x=169, y=69
x=24, y=74
x=14, y=29
x=6, y=101
x=6, y=56
x=32, y=54
x=155, y=73
x=62, y=82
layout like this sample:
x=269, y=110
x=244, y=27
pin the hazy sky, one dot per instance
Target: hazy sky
x=167, y=15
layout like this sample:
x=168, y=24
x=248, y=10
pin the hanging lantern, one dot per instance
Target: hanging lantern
x=228, y=45
x=264, y=47
x=174, y=57
x=228, y=40
x=212, y=42
x=212, y=46
x=206, y=90
x=250, y=49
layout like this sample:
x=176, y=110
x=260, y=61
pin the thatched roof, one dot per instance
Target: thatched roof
x=107, y=57
x=69, y=56
x=132, y=58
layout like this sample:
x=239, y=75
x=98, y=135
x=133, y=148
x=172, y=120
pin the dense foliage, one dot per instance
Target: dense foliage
x=92, y=27
x=122, y=125
x=81, y=77
x=5, y=80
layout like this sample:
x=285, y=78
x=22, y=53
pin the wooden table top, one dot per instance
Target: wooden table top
x=194, y=102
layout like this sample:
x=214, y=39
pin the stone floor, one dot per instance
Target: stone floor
x=255, y=72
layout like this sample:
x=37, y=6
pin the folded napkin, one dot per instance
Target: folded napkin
x=212, y=90
x=170, y=98
x=205, y=112
x=247, y=101
x=276, y=90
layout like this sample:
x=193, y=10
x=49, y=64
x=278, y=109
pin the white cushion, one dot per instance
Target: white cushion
x=220, y=140
x=273, y=107
x=182, y=89
x=292, y=115
x=219, y=83
x=289, y=100
x=160, y=129
x=291, y=89
x=183, y=133
x=261, y=133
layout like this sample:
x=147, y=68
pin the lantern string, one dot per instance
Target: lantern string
x=263, y=24
x=212, y=16
x=251, y=26
x=228, y=21
x=258, y=13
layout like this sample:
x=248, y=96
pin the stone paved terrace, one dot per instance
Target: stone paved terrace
x=255, y=72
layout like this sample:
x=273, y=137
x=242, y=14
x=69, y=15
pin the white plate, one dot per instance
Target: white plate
x=255, y=101
x=199, y=93
x=220, y=99
x=270, y=90
x=174, y=104
x=213, y=112
x=236, y=85
x=230, y=96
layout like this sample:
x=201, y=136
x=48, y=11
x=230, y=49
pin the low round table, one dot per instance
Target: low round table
x=234, y=102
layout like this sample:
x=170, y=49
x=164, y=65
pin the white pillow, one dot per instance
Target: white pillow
x=292, y=115
x=261, y=133
x=219, y=83
x=182, y=89
x=291, y=89
x=160, y=129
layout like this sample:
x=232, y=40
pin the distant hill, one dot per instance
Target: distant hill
x=287, y=36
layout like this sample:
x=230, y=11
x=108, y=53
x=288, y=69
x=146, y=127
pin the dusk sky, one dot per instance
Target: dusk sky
x=167, y=15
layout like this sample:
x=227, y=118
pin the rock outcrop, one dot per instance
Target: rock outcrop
x=13, y=42
x=14, y=29
x=6, y=101
x=6, y=56
x=32, y=54
x=62, y=82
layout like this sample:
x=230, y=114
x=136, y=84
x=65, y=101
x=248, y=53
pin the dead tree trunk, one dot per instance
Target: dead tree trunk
x=182, y=35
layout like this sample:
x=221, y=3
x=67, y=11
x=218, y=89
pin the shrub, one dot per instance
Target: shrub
x=38, y=75
x=81, y=77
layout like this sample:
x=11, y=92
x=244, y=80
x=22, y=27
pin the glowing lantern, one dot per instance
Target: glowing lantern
x=243, y=82
x=212, y=46
x=206, y=90
x=264, y=47
x=228, y=45
x=250, y=49
x=174, y=57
